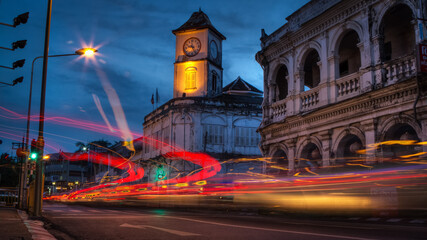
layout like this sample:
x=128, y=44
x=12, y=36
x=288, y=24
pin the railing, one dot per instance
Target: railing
x=309, y=99
x=279, y=109
x=400, y=68
x=348, y=85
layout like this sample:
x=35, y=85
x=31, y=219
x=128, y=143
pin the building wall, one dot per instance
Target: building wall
x=360, y=98
x=188, y=124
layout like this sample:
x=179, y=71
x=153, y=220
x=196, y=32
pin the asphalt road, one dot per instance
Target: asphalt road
x=82, y=222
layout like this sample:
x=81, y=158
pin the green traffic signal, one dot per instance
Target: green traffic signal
x=33, y=156
x=160, y=173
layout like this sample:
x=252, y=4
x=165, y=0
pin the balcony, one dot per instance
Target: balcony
x=309, y=99
x=348, y=86
x=399, y=69
x=278, y=109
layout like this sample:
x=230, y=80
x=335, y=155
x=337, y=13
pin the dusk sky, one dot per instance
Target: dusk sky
x=136, y=55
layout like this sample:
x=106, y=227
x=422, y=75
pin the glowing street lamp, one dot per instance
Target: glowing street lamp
x=87, y=52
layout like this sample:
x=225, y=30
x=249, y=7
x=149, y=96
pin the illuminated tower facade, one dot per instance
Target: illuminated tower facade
x=198, y=58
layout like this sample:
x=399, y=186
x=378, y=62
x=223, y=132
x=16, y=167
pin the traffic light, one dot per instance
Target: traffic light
x=19, y=44
x=19, y=63
x=22, y=18
x=18, y=80
x=34, y=150
x=160, y=173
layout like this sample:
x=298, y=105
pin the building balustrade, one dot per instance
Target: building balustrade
x=348, y=86
x=279, y=109
x=309, y=99
x=345, y=87
x=400, y=69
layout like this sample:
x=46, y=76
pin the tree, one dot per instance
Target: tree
x=80, y=145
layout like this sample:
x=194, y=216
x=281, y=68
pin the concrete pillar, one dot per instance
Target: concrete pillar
x=326, y=139
x=229, y=134
x=299, y=87
x=272, y=88
x=291, y=144
x=369, y=127
x=376, y=56
x=324, y=73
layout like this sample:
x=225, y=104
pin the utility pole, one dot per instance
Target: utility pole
x=40, y=141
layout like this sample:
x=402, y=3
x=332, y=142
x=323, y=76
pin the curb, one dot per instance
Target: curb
x=35, y=227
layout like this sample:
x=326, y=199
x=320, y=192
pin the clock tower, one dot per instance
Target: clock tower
x=198, y=58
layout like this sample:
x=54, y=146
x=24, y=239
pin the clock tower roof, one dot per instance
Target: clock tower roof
x=198, y=20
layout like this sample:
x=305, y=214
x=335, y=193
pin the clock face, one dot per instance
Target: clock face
x=192, y=47
x=214, y=49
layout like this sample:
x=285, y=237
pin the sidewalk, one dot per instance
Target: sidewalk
x=12, y=226
x=15, y=225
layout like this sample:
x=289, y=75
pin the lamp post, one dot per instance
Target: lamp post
x=83, y=51
x=40, y=140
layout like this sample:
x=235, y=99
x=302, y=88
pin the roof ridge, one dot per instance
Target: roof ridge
x=245, y=83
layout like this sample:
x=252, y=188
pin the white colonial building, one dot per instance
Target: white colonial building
x=203, y=116
x=341, y=75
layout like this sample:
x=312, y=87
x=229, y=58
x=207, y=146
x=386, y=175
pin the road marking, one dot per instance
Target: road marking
x=95, y=211
x=176, y=232
x=329, y=225
x=57, y=210
x=417, y=221
x=72, y=210
x=394, y=220
x=90, y=216
x=113, y=211
x=270, y=229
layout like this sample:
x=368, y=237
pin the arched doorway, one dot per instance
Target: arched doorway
x=311, y=70
x=397, y=33
x=349, y=54
x=347, y=149
x=400, y=132
x=280, y=164
x=310, y=157
x=282, y=82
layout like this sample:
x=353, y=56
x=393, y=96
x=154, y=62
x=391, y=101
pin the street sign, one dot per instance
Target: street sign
x=422, y=50
x=16, y=145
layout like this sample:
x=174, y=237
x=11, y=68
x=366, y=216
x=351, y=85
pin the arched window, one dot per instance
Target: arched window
x=397, y=32
x=349, y=54
x=214, y=82
x=311, y=70
x=190, y=78
x=282, y=82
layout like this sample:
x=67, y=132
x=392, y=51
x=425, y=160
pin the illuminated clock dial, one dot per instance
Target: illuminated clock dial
x=214, y=49
x=192, y=47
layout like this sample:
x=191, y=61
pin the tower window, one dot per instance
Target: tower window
x=190, y=78
x=214, y=81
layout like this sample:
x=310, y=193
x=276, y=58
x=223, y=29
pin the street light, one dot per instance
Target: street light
x=84, y=51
